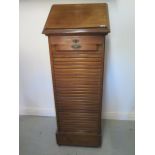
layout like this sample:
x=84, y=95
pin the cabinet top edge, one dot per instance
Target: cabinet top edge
x=89, y=31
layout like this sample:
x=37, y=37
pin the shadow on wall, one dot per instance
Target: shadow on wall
x=112, y=101
x=109, y=82
x=109, y=85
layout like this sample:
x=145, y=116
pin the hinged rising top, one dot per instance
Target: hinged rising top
x=78, y=18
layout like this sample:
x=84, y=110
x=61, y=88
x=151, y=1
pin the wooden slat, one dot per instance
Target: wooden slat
x=77, y=87
x=78, y=54
x=93, y=77
x=88, y=91
x=88, y=98
x=78, y=71
x=77, y=62
x=70, y=47
x=76, y=74
x=77, y=59
x=80, y=107
x=82, y=81
x=77, y=116
x=77, y=106
x=79, y=94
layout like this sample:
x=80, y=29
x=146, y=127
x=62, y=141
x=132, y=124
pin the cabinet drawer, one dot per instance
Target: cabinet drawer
x=54, y=40
x=76, y=43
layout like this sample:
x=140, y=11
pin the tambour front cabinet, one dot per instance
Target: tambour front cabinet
x=76, y=35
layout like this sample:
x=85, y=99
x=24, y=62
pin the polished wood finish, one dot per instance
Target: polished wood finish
x=79, y=139
x=79, y=17
x=79, y=39
x=77, y=63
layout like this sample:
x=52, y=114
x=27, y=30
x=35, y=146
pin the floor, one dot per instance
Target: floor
x=37, y=137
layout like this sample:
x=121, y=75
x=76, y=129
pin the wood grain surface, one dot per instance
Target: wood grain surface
x=76, y=37
x=77, y=16
x=77, y=78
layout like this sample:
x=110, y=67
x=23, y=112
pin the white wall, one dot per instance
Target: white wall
x=36, y=93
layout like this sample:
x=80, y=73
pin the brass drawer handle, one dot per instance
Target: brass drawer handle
x=75, y=40
x=76, y=46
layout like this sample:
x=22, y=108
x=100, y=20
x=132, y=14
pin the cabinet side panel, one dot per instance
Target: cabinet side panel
x=51, y=54
x=102, y=48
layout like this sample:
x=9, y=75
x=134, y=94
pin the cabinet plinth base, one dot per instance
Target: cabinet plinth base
x=78, y=139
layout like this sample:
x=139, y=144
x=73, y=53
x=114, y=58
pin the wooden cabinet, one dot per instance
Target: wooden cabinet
x=76, y=36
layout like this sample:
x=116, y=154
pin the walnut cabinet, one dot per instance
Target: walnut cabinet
x=76, y=36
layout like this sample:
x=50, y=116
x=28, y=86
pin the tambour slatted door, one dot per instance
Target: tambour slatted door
x=77, y=63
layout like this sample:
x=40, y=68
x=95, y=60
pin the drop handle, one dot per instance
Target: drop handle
x=76, y=46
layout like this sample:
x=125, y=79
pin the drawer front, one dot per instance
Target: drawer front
x=76, y=43
x=76, y=39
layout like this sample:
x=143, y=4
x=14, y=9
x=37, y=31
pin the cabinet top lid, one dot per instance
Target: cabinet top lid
x=80, y=18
